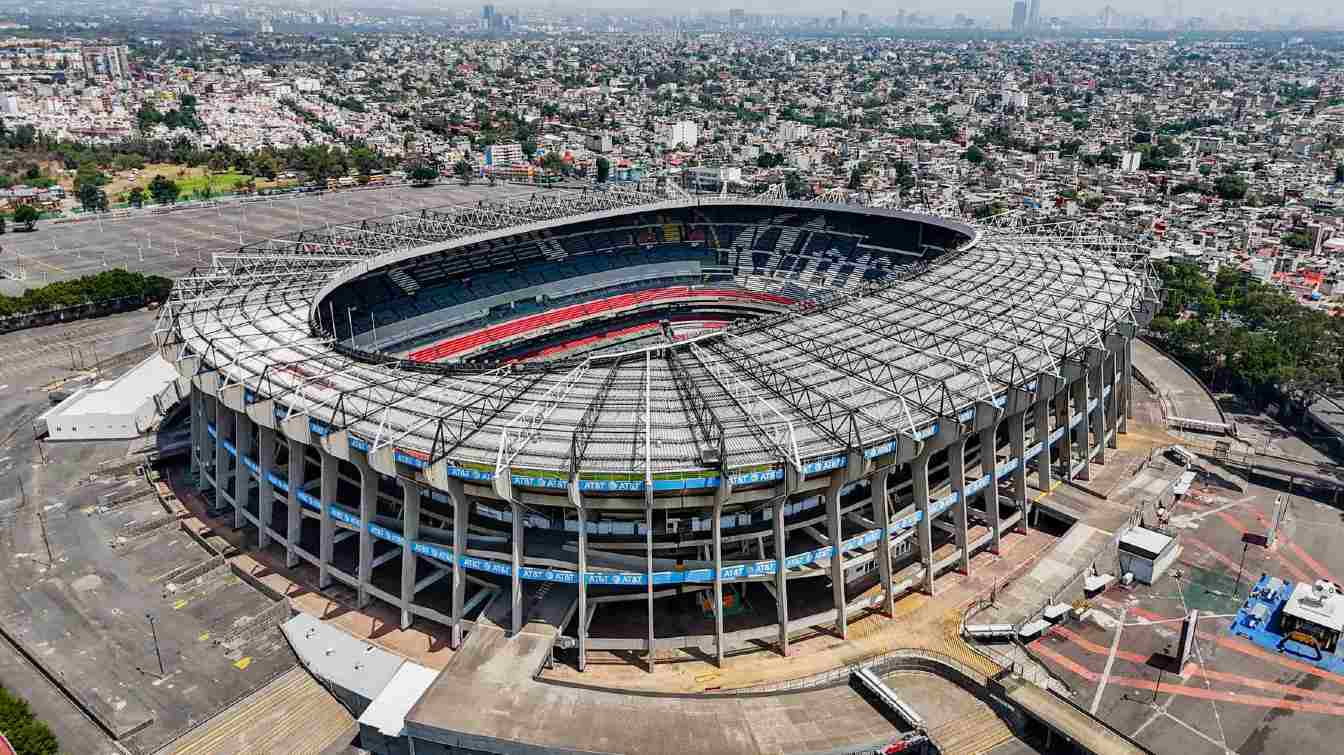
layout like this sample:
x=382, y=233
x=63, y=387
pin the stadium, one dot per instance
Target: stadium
x=687, y=422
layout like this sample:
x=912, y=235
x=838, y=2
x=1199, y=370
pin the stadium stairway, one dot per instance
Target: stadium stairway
x=978, y=733
x=293, y=714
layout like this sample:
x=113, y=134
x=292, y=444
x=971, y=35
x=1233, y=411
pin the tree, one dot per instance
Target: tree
x=2, y=224
x=1230, y=187
x=1339, y=173
x=794, y=185
x=92, y=198
x=603, y=169
x=463, y=171
x=974, y=155
x=25, y=732
x=164, y=190
x=28, y=215
x=423, y=175
x=136, y=196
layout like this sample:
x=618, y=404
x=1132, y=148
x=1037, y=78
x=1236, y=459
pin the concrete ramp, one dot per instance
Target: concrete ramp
x=1029, y=593
x=1068, y=722
x=293, y=714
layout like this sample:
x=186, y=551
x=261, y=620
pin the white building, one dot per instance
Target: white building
x=307, y=84
x=114, y=409
x=680, y=133
x=1130, y=161
x=1314, y=611
x=503, y=154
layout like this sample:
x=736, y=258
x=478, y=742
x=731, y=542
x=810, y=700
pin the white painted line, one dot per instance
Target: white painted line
x=1110, y=661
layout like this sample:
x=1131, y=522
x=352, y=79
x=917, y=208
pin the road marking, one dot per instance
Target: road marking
x=1110, y=662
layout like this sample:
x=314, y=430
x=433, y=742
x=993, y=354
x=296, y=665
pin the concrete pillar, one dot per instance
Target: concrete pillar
x=516, y=581
x=242, y=484
x=882, y=515
x=1017, y=432
x=1041, y=418
x=368, y=504
x=1098, y=414
x=1065, y=447
x=836, y=536
x=583, y=589
x=648, y=570
x=716, y=538
x=197, y=430
x=988, y=463
x=919, y=475
x=781, y=575
x=1113, y=413
x=1127, y=382
x=1081, y=433
x=297, y=473
x=223, y=431
x=956, y=473
x=461, y=509
x=265, y=491
x=326, y=548
x=410, y=532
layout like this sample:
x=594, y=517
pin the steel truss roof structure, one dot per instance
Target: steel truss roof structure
x=848, y=371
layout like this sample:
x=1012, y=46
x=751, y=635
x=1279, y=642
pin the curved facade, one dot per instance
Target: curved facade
x=664, y=406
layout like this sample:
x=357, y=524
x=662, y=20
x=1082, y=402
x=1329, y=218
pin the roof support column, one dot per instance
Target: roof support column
x=1017, y=442
x=716, y=536
x=296, y=473
x=265, y=491
x=516, y=581
x=919, y=476
x=326, y=547
x=461, y=508
x=368, y=503
x=1064, y=452
x=410, y=532
x=1108, y=365
x=1040, y=415
x=837, y=536
x=1081, y=432
x=956, y=473
x=648, y=569
x=989, y=463
x=1096, y=367
x=583, y=589
x=882, y=515
x=223, y=432
x=242, y=485
x=197, y=429
x=781, y=575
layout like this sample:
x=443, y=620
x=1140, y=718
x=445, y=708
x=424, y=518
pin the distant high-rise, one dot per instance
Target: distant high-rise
x=1034, y=14
x=1019, y=15
x=736, y=17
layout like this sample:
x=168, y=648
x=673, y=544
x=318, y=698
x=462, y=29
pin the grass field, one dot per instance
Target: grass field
x=189, y=180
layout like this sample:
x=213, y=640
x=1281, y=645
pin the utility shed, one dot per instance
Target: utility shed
x=1146, y=554
x=1316, y=611
x=112, y=409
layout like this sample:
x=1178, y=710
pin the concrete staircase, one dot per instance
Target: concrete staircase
x=293, y=714
x=972, y=735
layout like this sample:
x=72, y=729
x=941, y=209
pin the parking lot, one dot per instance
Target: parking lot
x=171, y=243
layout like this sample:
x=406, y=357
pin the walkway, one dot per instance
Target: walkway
x=1184, y=395
x=292, y=714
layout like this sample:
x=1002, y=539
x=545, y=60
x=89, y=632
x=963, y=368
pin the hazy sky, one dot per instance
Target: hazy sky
x=1207, y=8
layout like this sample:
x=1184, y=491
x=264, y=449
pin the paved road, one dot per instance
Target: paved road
x=1187, y=396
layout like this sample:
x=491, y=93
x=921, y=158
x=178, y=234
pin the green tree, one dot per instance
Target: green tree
x=1339, y=173
x=25, y=732
x=92, y=198
x=1230, y=187
x=136, y=196
x=28, y=215
x=164, y=190
x=463, y=171
x=603, y=169
x=973, y=155
x=423, y=175
x=794, y=185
